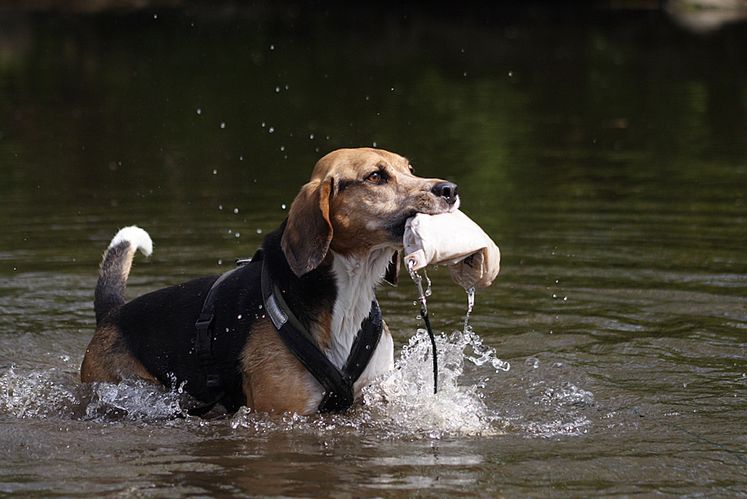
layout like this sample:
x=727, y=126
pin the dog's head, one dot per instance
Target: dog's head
x=358, y=200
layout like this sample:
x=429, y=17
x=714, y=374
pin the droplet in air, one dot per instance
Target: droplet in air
x=272, y=129
x=199, y=110
x=235, y=211
x=215, y=172
x=259, y=231
x=223, y=124
x=282, y=206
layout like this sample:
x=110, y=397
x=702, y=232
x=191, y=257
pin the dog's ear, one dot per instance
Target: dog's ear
x=308, y=232
x=392, y=271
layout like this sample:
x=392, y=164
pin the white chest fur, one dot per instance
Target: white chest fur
x=357, y=279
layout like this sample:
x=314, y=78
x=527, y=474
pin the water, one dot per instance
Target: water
x=604, y=151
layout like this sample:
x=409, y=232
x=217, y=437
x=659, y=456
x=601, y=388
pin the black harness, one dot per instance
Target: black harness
x=337, y=383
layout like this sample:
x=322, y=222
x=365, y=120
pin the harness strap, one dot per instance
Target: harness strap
x=337, y=384
x=361, y=352
x=204, y=342
x=204, y=339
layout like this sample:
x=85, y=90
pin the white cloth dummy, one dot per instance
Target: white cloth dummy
x=452, y=239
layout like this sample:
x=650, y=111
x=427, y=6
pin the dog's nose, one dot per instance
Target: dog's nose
x=446, y=190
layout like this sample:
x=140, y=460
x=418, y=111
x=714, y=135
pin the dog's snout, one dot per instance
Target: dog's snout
x=446, y=190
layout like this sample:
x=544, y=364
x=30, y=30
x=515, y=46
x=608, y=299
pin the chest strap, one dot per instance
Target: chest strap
x=337, y=384
x=204, y=350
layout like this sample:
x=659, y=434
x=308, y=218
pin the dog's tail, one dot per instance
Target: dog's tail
x=115, y=267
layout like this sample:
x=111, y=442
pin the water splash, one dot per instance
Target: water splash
x=481, y=354
x=134, y=400
x=37, y=393
x=403, y=399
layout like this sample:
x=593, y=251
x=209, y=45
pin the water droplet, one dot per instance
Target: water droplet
x=532, y=362
x=259, y=231
x=238, y=317
x=223, y=124
x=510, y=74
x=199, y=111
x=272, y=47
x=470, y=306
x=220, y=207
x=311, y=136
x=215, y=172
x=220, y=261
x=155, y=16
x=235, y=211
x=277, y=90
x=238, y=234
x=271, y=129
x=282, y=206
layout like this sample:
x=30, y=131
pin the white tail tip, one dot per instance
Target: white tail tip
x=137, y=237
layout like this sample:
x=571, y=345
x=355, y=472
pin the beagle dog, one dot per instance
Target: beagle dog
x=342, y=237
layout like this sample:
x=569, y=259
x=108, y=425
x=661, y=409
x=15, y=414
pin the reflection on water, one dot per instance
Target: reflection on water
x=604, y=151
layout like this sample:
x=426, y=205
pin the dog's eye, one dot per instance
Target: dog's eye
x=377, y=177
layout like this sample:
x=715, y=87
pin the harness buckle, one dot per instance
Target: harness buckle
x=203, y=323
x=212, y=381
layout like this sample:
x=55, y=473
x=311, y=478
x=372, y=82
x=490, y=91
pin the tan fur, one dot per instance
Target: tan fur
x=274, y=380
x=107, y=359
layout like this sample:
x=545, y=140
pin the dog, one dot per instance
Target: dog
x=317, y=272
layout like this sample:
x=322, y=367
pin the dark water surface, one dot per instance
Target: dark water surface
x=604, y=150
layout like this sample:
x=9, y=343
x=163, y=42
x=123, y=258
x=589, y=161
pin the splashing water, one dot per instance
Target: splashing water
x=133, y=400
x=403, y=398
x=37, y=393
